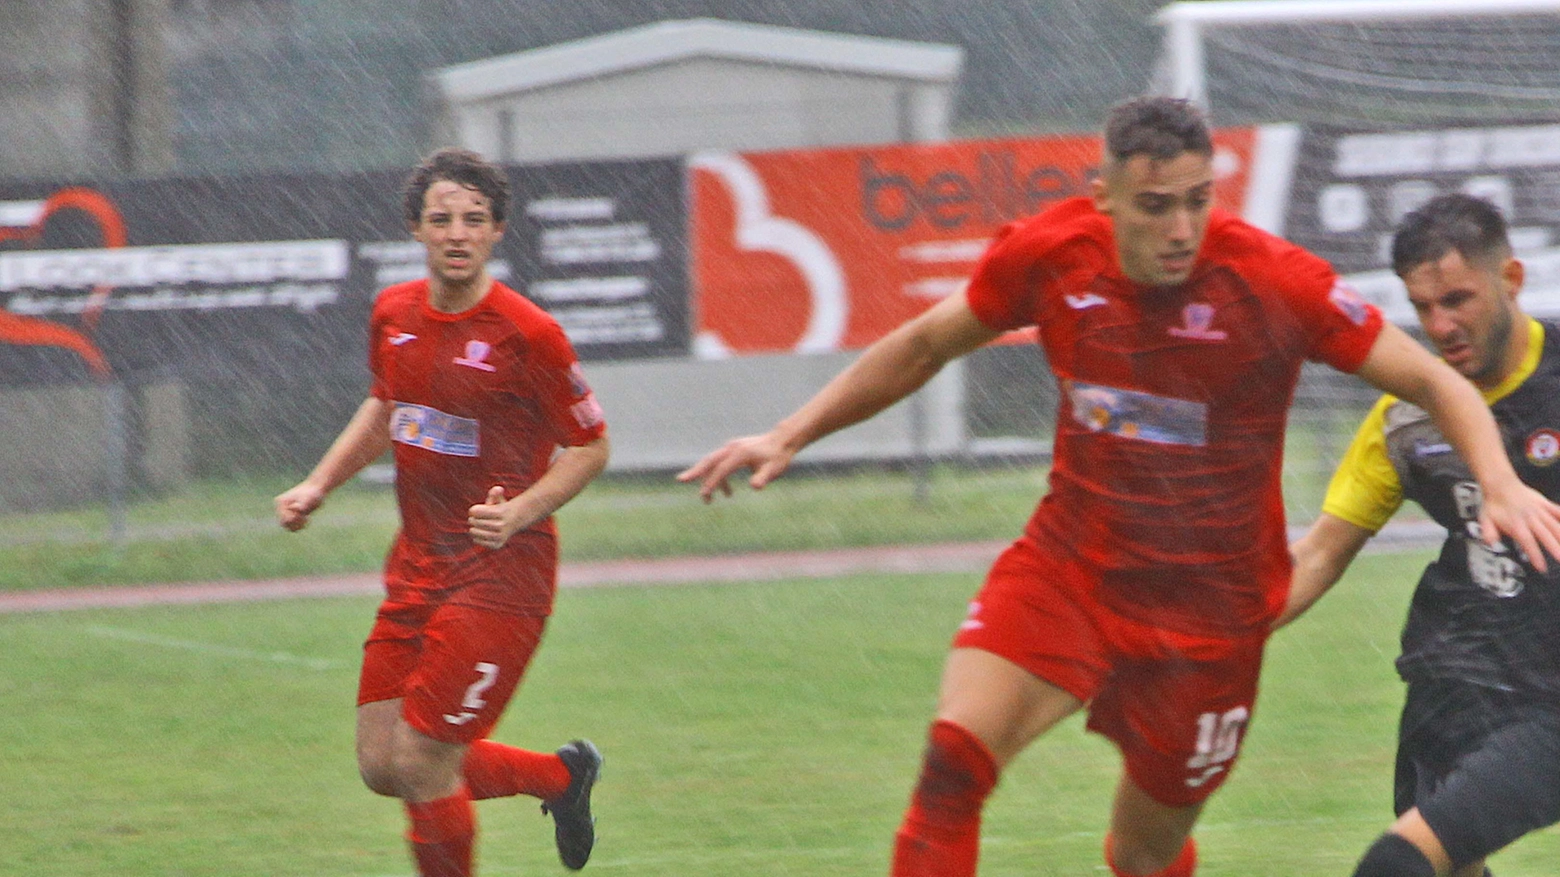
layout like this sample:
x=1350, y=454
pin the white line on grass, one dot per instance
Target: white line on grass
x=149, y=639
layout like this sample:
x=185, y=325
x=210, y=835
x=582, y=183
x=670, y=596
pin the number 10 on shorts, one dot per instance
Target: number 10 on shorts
x=1218, y=740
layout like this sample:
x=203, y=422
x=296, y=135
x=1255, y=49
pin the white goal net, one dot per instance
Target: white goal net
x=1396, y=101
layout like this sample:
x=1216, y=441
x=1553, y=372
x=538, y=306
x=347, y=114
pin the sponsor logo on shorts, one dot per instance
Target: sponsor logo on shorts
x=970, y=621
x=434, y=430
x=1136, y=415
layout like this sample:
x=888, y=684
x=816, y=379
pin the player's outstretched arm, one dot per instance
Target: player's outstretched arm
x=1400, y=366
x=365, y=437
x=1320, y=557
x=891, y=369
x=496, y=518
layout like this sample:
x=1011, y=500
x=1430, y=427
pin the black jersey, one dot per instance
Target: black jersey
x=1481, y=614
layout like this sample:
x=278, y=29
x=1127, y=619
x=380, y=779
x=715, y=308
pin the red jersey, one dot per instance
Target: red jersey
x=479, y=398
x=1170, y=426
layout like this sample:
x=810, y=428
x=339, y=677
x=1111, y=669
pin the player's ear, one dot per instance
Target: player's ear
x=1513, y=273
x=1099, y=186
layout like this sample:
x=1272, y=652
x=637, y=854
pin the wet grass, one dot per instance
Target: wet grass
x=766, y=730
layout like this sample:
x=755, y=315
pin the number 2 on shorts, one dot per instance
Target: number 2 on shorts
x=487, y=675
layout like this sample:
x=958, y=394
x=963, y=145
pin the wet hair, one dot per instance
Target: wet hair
x=1158, y=127
x=1473, y=227
x=460, y=166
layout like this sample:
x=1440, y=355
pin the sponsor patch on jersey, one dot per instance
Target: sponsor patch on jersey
x=1136, y=415
x=577, y=380
x=587, y=412
x=1543, y=447
x=433, y=430
x=1349, y=303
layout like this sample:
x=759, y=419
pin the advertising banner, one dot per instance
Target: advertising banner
x=255, y=275
x=1353, y=187
x=823, y=250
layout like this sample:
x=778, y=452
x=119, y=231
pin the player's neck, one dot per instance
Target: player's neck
x=453, y=298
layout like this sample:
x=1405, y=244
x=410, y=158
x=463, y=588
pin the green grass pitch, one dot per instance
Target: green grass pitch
x=767, y=729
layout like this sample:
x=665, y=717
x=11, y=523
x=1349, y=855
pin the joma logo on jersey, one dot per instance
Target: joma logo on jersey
x=433, y=430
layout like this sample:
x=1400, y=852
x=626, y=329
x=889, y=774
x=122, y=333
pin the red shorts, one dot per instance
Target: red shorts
x=455, y=665
x=1176, y=704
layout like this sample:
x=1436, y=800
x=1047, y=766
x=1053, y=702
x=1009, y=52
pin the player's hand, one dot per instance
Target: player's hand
x=493, y=521
x=764, y=454
x=1527, y=517
x=294, y=506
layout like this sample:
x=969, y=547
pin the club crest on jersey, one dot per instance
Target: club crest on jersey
x=1197, y=322
x=1543, y=447
x=476, y=356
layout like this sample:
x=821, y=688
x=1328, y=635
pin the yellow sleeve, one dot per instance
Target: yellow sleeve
x=1365, y=490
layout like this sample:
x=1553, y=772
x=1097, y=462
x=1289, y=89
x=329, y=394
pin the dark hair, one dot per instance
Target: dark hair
x=1159, y=127
x=458, y=166
x=1471, y=226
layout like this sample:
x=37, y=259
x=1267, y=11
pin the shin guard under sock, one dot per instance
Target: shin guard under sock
x=940, y=835
x=441, y=835
x=493, y=770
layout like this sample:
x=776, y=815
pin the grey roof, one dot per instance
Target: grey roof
x=671, y=41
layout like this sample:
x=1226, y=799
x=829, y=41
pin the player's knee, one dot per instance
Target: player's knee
x=377, y=775
x=1392, y=855
x=958, y=772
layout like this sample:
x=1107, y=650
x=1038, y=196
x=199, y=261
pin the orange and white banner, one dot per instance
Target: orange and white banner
x=823, y=250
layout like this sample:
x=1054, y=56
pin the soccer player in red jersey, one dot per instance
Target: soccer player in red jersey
x=1144, y=586
x=475, y=389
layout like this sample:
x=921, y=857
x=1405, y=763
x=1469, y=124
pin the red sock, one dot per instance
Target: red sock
x=494, y=770
x=940, y=836
x=441, y=835
x=1184, y=865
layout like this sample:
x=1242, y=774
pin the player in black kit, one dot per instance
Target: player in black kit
x=1478, y=762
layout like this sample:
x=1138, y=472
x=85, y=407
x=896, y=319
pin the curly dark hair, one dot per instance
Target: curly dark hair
x=458, y=166
x=1472, y=226
x=1158, y=127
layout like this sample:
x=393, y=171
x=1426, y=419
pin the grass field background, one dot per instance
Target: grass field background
x=763, y=729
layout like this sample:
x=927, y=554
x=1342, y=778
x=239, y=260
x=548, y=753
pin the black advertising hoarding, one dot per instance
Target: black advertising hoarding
x=1352, y=187
x=253, y=293
x=603, y=247
x=256, y=273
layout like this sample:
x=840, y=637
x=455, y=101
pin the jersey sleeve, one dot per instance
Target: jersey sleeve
x=1339, y=327
x=378, y=387
x=1001, y=292
x=569, y=405
x=1365, y=491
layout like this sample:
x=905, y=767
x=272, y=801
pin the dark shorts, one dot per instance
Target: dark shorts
x=1176, y=705
x=1482, y=766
